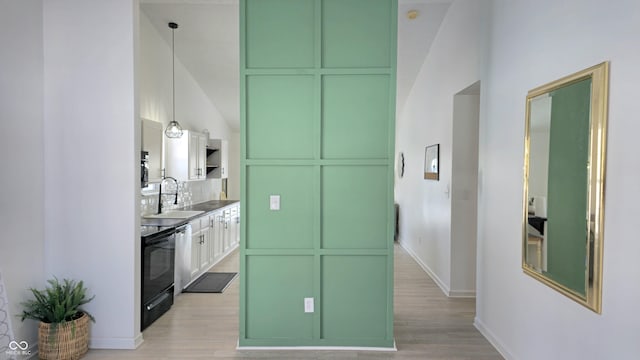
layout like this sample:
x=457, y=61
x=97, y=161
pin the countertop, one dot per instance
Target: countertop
x=207, y=206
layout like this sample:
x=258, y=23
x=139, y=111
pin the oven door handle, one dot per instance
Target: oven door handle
x=160, y=241
x=158, y=301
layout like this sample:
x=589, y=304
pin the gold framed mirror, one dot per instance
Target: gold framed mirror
x=564, y=167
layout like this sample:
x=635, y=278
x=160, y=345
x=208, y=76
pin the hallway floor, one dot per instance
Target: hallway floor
x=428, y=325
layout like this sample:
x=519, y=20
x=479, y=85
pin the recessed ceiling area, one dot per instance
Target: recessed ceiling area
x=208, y=45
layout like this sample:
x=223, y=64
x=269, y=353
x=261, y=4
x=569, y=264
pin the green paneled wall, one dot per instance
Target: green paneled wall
x=356, y=33
x=293, y=226
x=567, y=187
x=317, y=129
x=351, y=104
x=279, y=34
x=354, y=294
x=354, y=207
x=280, y=106
x=273, y=309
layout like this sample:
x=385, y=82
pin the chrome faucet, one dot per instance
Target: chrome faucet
x=175, y=201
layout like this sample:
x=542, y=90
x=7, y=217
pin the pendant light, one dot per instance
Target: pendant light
x=174, y=130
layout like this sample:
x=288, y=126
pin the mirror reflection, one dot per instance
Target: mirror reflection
x=564, y=167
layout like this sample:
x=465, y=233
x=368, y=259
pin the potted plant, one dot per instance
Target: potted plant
x=63, y=332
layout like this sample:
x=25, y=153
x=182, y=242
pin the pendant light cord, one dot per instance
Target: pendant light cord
x=173, y=69
x=174, y=130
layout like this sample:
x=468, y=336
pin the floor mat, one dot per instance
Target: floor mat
x=211, y=282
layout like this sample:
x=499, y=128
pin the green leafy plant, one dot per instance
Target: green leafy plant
x=58, y=303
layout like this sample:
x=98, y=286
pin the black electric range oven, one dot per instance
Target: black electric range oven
x=158, y=263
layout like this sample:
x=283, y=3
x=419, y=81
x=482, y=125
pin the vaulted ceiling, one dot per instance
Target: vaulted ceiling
x=207, y=43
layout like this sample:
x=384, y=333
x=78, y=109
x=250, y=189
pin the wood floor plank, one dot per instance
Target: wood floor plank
x=428, y=325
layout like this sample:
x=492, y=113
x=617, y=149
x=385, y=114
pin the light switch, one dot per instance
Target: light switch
x=308, y=305
x=274, y=202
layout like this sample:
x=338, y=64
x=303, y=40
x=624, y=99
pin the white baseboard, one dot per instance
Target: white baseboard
x=462, y=293
x=115, y=343
x=491, y=337
x=445, y=289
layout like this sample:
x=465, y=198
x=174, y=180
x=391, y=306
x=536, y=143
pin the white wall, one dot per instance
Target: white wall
x=194, y=110
x=22, y=153
x=91, y=153
x=534, y=43
x=539, y=147
x=538, y=162
x=453, y=64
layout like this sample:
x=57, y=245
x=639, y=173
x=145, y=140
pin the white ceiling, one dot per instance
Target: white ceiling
x=207, y=43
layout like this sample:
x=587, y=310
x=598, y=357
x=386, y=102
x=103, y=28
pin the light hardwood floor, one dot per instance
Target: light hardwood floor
x=428, y=325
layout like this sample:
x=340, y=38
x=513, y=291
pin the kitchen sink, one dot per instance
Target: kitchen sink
x=175, y=214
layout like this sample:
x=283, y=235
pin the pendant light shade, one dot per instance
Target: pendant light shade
x=174, y=130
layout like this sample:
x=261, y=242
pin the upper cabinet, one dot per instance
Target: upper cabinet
x=197, y=156
x=217, y=159
x=152, y=133
x=186, y=156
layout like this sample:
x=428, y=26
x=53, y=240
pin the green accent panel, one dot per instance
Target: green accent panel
x=276, y=288
x=355, y=120
x=291, y=227
x=356, y=33
x=354, y=297
x=280, y=117
x=567, y=186
x=317, y=96
x=280, y=33
x=354, y=207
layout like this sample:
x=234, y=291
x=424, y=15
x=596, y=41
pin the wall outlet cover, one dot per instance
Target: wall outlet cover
x=308, y=305
x=274, y=202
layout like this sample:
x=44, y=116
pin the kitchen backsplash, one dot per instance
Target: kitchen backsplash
x=192, y=192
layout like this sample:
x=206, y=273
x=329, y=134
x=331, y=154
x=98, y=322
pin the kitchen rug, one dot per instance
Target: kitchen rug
x=211, y=282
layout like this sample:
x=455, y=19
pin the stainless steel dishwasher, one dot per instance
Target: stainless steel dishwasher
x=183, y=258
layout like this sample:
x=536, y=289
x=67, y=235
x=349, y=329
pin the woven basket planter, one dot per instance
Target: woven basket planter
x=68, y=341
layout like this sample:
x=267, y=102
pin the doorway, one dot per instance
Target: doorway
x=464, y=190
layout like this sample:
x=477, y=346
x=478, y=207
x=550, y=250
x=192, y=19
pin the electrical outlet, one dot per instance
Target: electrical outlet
x=308, y=305
x=274, y=202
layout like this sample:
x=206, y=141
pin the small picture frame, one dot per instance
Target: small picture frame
x=431, y=162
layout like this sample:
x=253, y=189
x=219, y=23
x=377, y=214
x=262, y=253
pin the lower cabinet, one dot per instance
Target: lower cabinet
x=219, y=235
x=200, y=247
x=235, y=226
x=213, y=236
x=227, y=229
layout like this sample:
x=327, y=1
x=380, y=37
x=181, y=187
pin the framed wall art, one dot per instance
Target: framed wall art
x=431, y=159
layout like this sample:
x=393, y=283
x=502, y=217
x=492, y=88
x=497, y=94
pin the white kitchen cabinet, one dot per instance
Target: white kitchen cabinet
x=196, y=245
x=152, y=132
x=214, y=235
x=186, y=156
x=205, y=260
x=229, y=236
x=197, y=156
x=217, y=159
x=234, y=227
x=200, y=246
x=221, y=230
